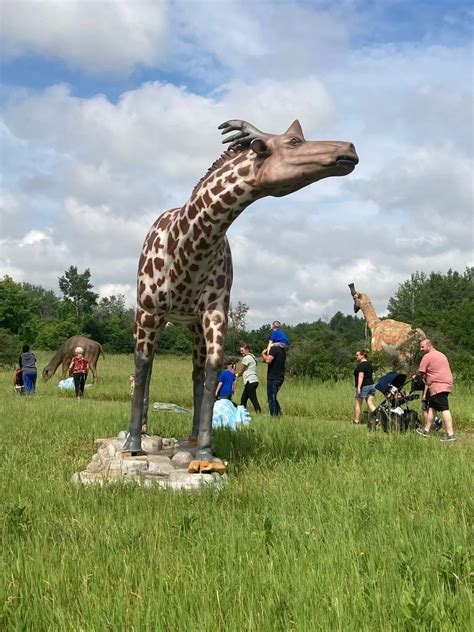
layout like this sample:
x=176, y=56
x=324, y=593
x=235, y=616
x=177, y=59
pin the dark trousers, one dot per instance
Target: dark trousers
x=273, y=404
x=79, y=383
x=29, y=382
x=250, y=392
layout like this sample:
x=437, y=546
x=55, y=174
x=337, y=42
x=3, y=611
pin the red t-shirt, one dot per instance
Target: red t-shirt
x=79, y=364
x=438, y=374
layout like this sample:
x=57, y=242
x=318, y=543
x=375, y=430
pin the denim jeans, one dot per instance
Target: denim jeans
x=29, y=382
x=272, y=391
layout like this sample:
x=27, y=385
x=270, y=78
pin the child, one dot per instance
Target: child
x=226, y=382
x=79, y=366
x=277, y=337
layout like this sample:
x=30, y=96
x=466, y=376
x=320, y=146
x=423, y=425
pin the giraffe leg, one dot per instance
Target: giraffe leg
x=199, y=362
x=145, y=338
x=65, y=368
x=214, y=326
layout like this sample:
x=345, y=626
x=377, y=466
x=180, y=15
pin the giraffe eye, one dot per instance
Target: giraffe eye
x=295, y=141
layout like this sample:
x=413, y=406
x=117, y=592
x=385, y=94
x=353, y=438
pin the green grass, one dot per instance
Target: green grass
x=323, y=526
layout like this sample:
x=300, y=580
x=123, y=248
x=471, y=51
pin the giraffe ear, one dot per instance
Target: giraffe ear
x=295, y=129
x=260, y=147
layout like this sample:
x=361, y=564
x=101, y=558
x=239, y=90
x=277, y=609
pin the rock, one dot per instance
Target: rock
x=132, y=467
x=95, y=466
x=169, y=442
x=159, y=458
x=123, y=434
x=161, y=468
x=186, y=446
x=182, y=458
x=152, y=444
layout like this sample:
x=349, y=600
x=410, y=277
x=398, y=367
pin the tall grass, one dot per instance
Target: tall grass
x=323, y=526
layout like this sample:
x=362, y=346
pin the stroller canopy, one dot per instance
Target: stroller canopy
x=390, y=379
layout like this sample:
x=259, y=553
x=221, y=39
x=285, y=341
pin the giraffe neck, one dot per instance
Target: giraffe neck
x=370, y=314
x=220, y=197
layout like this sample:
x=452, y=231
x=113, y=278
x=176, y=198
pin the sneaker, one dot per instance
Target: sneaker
x=447, y=438
x=423, y=433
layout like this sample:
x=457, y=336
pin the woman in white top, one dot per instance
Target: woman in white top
x=248, y=371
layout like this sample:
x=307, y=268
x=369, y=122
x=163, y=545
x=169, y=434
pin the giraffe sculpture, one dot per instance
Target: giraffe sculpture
x=185, y=268
x=397, y=339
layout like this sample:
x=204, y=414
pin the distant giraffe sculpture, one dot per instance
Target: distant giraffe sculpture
x=185, y=268
x=397, y=339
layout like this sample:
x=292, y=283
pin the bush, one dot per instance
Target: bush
x=9, y=348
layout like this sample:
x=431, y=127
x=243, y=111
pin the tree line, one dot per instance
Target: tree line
x=441, y=304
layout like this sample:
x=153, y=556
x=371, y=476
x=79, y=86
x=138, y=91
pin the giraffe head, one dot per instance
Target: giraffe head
x=287, y=162
x=359, y=299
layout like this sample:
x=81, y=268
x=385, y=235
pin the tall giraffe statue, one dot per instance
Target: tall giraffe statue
x=185, y=268
x=397, y=339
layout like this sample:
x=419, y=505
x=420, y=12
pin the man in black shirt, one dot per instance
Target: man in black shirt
x=275, y=357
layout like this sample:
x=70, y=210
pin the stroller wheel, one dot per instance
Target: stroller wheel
x=385, y=420
x=372, y=420
x=411, y=420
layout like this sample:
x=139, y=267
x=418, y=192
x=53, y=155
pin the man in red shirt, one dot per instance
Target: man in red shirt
x=434, y=368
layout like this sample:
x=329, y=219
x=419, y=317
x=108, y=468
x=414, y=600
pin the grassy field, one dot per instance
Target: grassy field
x=323, y=525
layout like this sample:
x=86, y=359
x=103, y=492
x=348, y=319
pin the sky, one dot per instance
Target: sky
x=109, y=112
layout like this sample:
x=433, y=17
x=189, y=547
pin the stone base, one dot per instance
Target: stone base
x=165, y=462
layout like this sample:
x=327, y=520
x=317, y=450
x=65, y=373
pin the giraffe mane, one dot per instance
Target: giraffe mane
x=223, y=158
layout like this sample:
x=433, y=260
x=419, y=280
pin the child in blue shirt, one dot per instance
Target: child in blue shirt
x=226, y=382
x=277, y=337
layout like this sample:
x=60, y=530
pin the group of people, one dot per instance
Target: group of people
x=274, y=355
x=25, y=376
x=434, y=371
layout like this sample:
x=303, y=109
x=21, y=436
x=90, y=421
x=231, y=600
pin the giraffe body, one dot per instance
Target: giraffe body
x=185, y=268
x=387, y=335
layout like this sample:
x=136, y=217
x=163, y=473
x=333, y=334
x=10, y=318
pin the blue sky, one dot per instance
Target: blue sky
x=109, y=113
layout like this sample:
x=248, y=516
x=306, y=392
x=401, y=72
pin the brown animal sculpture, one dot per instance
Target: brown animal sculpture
x=64, y=354
x=185, y=268
x=397, y=339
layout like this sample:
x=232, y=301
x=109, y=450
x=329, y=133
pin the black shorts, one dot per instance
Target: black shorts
x=439, y=401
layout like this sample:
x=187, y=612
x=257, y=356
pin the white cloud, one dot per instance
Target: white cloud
x=98, y=36
x=89, y=175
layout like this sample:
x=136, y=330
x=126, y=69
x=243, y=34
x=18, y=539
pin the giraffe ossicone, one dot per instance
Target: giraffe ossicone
x=185, y=267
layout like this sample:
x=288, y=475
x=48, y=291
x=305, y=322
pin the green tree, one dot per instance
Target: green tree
x=45, y=303
x=438, y=302
x=77, y=289
x=10, y=348
x=53, y=332
x=15, y=305
x=236, y=326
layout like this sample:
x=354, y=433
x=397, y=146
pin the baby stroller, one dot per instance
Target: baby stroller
x=394, y=412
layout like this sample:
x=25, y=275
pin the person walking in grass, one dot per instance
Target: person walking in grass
x=435, y=370
x=364, y=384
x=79, y=367
x=248, y=371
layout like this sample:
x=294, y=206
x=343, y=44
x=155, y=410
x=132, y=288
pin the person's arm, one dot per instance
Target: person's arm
x=242, y=368
x=71, y=364
x=266, y=357
x=219, y=386
x=360, y=379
